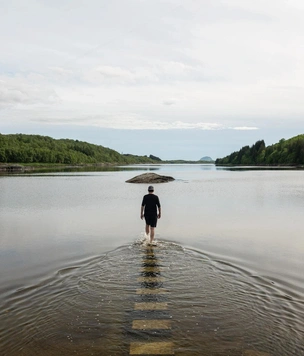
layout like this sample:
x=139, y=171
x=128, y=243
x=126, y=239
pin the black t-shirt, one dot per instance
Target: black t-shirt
x=150, y=201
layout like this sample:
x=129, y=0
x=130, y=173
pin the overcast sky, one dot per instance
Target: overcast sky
x=177, y=79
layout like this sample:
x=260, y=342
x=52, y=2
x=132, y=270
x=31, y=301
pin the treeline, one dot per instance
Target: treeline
x=285, y=152
x=21, y=148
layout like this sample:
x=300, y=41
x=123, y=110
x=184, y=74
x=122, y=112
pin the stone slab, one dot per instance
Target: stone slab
x=151, y=348
x=151, y=306
x=151, y=324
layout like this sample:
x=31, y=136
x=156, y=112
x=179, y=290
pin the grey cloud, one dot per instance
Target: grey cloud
x=162, y=72
x=169, y=102
x=154, y=64
x=61, y=71
x=19, y=91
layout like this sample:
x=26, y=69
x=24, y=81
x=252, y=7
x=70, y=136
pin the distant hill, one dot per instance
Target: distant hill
x=206, y=159
x=20, y=148
x=285, y=152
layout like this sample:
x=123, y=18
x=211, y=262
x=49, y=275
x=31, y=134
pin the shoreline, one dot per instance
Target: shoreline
x=27, y=167
x=14, y=167
x=19, y=167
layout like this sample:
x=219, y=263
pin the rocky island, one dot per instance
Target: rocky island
x=150, y=178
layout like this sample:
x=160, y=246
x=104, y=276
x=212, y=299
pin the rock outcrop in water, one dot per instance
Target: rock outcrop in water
x=150, y=178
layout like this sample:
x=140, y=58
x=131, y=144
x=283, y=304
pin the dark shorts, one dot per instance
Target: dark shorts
x=151, y=220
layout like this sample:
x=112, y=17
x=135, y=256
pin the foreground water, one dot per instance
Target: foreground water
x=226, y=277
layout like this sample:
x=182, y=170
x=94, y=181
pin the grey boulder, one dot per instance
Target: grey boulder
x=150, y=178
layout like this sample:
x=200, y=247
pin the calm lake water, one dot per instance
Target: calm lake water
x=226, y=276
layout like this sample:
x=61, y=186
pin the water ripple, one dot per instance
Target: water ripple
x=213, y=303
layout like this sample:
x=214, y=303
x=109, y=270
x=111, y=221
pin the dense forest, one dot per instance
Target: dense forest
x=285, y=152
x=20, y=148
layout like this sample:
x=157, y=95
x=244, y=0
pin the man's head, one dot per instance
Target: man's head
x=150, y=189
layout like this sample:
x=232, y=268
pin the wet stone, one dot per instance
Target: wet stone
x=151, y=306
x=154, y=298
x=150, y=314
x=151, y=348
x=151, y=324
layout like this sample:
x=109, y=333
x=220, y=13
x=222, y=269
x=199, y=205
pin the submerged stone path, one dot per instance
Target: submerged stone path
x=151, y=324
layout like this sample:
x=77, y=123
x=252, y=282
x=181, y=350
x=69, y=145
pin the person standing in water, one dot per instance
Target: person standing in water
x=151, y=211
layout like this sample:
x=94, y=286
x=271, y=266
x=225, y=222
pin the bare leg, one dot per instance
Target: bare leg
x=152, y=234
x=147, y=230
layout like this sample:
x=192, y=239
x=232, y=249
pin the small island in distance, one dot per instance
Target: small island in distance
x=27, y=152
x=207, y=159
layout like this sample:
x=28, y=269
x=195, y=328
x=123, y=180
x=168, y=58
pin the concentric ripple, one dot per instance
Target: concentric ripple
x=216, y=308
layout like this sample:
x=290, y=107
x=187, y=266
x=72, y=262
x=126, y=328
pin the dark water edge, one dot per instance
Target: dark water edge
x=20, y=169
x=260, y=167
x=86, y=307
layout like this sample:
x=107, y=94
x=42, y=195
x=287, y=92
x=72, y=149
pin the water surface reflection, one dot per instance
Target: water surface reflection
x=227, y=274
x=214, y=308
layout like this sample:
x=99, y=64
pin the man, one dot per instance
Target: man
x=149, y=206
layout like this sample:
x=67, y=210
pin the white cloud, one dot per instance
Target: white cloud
x=110, y=75
x=244, y=128
x=199, y=125
x=25, y=90
x=209, y=65
x=61, y=71
x=105, y=72
x=126, y=121
x=169, y=102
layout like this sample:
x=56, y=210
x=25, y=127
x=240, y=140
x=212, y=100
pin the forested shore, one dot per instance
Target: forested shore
x=21, y=151
x=286, y=152
x=31, y=150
